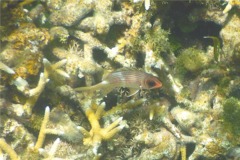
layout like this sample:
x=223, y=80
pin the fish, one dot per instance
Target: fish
x=125, y=77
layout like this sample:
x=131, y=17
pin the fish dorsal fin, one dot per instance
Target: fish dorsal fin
x=108, y=72
x=127, y=69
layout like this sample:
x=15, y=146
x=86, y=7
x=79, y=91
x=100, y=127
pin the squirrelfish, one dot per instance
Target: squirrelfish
x=130, y=78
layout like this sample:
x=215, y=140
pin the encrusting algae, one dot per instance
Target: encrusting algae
x=188, y=104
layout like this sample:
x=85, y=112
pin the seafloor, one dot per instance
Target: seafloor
x=50, y=47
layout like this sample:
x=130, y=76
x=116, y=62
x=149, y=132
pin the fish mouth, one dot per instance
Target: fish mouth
x=158, y=85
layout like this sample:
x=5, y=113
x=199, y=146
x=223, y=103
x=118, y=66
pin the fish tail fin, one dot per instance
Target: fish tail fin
x=102, y=88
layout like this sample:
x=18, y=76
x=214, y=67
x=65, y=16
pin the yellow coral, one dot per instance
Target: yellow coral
x=230, y=4
x=35, y=92
x=8, y=149
x=97, y=134
x=42, y=133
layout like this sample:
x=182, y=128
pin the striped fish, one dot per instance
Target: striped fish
x=130, y=78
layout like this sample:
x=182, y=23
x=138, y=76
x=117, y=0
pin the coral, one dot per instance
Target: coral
x=62, y=123
x=73, y=56
x=70, y=13
x=230, y=36
x=51, y=153
x=215, y=15
x=59, y=32
x=6, y=68
x=158, y=148
x=28, y=37
x=103, y=18
x=37, y=13
x=97, y=134
x=8, y=149
x=42, y=133
x=185, y=118
x=198, y=103
x=91, y=43
x=230, y=4
x=49, y=69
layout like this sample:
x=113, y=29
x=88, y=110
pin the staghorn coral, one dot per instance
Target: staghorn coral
x=129, y=36
x=43, y=130
x=23, y=138
x=97, y=134
x=6, y=68
x=8, y=149
x=49, y=69
x=230, y=4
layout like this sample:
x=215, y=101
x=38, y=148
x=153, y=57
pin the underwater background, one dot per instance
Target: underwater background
x=51, y=47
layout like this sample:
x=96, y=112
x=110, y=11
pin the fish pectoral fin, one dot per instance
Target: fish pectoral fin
x=133, y=92
x=104, y=91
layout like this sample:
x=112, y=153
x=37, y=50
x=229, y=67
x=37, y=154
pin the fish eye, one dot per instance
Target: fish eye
x=151, y=83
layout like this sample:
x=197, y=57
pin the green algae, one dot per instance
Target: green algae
x=190, y=60
x=231, y=118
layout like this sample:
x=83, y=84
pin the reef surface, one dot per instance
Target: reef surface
x=50, y=47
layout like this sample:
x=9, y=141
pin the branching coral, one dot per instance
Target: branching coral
x=6, y=68
x=22, y=137
x=41, y=137
x=8, y=149
x=51, y=153
x=230, y=4
x=110, y=34
x=43, y=130
x=96, y=135
x=44, y=78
